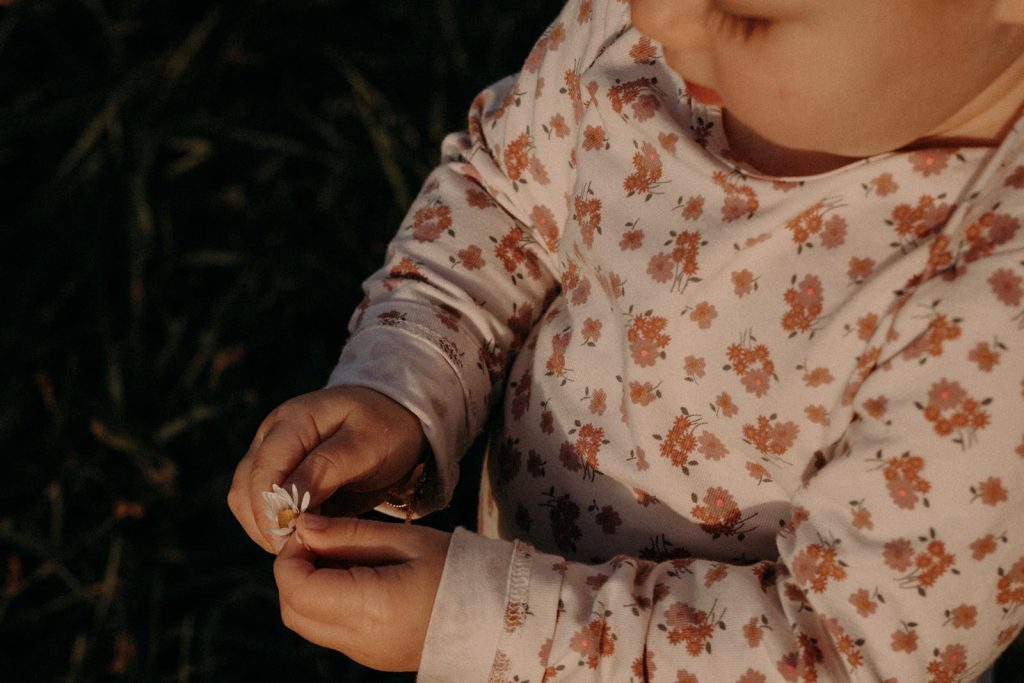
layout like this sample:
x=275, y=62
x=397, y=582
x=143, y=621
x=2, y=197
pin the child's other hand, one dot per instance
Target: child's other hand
x=349, y=437
x=363, y=588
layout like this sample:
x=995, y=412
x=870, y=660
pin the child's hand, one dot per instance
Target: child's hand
x=363, y=588
x=348, y=437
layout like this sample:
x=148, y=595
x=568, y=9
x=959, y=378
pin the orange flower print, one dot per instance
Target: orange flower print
x=752, y=363
x=844, y=643
x=591, y=331
x=904, y=640
x=984, y=357
x=904, y=482
x=876, y=407
x=517, y=157
x=861, y=517
x=431, y=222
x=643, y=667
x=718, y=515
x=1011, y=587
x=471, y=258
x=811, y=220
x=588, y=215
x=643, y=394
x=594, y=138
x=818, y=377
x=478, y=199
x=589, y=440
x=593, y=641
x=643, y=51
x=558, y=126
x=711, y=447
x=949, y=665
x=543, y=221
x=806, y=302
x=642, y=94
x=834, y=234
x=668, y=142
x=632, y=240
x=678, y=445
x=585, y=12
x=991, y=230
x=679, y=265
x=752, y=676
x=991, y=492
x=556, y=362
x=816, y=565
x=509, y=249
x=693, y=208
x=912, y=223
x=770, y=436
x=647, y=170
x=1007, y=286
x=962, y=616
x=983, y=547
x=647, y=339
x=572, y=89
x=693, y=367
x=940, y=330
x=898, y=554
x=703, y=314
x=931, y=161
x=740, y=200
x=724, y=405
x=800, y=666
x=759, y=472
x=860, y=269
x=951, y=409
x=929, y=565
x=715, y=573
x=1015, y=179
x=883, y=185
x=863, y=602
x=753, y=630
x=743, y=283
x=693, y=627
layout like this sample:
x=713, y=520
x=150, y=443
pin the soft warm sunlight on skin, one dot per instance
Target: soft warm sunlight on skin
x=849, y=79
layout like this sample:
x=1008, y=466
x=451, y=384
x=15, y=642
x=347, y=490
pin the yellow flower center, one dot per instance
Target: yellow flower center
x=285, y=516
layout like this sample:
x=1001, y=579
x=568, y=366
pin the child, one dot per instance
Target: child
x=744, y=280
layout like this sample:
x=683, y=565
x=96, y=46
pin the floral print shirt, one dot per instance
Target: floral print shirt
x=744, y=428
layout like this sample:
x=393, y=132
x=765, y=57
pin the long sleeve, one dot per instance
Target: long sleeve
x=901, y=560
x=475, y=263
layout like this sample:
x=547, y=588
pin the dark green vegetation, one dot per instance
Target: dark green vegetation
x=190, y=194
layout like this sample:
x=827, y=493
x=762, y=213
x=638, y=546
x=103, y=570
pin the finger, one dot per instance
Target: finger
x=275, y=458
x=316, y=632
x=241, y=508
x=344, y=457
x=360, y=541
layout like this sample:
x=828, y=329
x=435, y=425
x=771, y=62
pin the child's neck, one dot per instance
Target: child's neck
x=772, y=159
x=983, y=122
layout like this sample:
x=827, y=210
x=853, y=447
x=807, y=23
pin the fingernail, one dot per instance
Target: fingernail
x=314, y=522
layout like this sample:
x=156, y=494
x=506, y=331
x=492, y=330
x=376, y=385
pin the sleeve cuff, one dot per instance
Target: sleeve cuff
x=466, y=624
x=495, y=611
x=408, y=369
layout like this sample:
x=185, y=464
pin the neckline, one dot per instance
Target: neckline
x=716, y=143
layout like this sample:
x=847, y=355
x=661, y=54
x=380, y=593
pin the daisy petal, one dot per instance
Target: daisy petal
x=305, y=502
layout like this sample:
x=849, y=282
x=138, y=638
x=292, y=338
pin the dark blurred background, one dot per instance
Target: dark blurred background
x=190, y=195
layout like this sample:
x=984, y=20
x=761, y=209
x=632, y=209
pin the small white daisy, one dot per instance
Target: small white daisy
x=283, y=509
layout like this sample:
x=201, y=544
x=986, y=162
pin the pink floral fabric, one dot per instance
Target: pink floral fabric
x=746, y=428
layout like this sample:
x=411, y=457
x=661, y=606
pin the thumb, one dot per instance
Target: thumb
x=351, y=540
